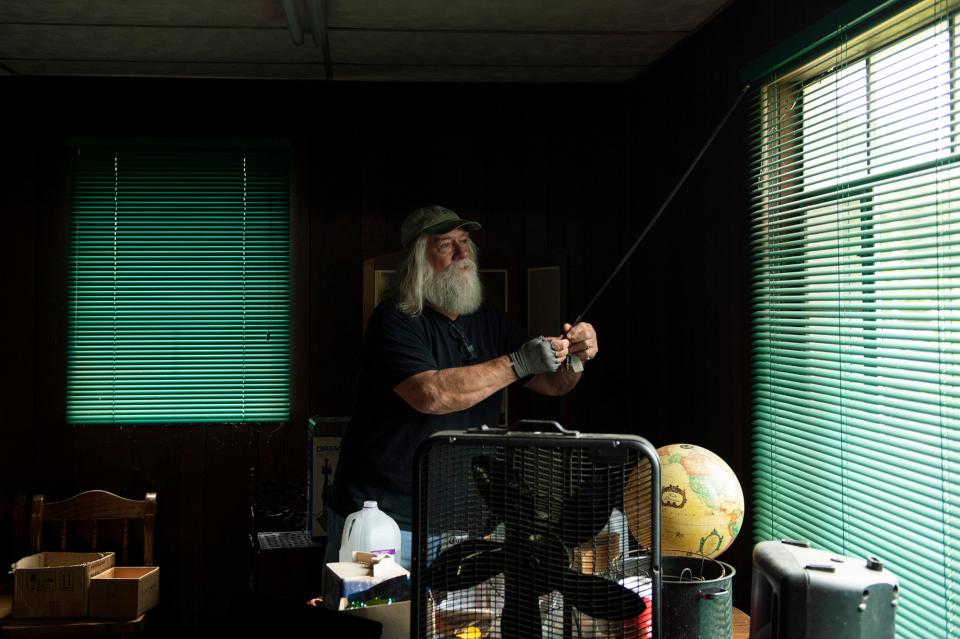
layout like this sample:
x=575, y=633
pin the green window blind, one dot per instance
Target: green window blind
x=179, y=294
x=856, y=306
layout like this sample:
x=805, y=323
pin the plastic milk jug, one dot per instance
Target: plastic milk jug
x=370, y=530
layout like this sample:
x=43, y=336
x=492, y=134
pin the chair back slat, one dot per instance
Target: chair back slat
x=94, y=504
x=149, y=522
x=125, y=541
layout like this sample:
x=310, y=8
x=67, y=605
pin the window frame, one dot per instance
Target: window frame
x=862, y=246
x=282, y=215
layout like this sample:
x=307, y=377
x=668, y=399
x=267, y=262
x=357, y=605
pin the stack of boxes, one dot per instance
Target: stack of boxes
x=71, y=584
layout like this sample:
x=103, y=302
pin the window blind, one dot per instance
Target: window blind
x=856, y=306
x=178, y=284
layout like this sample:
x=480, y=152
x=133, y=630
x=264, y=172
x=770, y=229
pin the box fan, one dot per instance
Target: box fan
x=536, y=531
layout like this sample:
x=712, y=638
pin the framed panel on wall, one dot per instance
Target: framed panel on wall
x=546, y=304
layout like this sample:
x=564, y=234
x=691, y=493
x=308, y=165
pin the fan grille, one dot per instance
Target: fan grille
x=527, y=536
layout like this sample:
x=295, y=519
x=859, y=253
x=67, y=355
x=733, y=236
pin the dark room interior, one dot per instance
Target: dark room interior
x=561, y=172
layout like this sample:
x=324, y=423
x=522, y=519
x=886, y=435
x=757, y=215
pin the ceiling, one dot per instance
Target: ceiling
x=367, y=40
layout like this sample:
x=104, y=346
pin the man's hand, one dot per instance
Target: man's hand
x=583, y=341
x=540, y=355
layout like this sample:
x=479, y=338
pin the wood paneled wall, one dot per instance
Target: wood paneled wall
x=534, y=164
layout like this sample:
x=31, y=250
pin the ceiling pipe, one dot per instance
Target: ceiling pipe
x=293, y=21
x=318, y=27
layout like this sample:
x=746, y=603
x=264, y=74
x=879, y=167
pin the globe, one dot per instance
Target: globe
x=701, y=502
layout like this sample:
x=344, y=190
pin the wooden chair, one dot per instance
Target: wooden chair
x=95, y=506
x=79, y=521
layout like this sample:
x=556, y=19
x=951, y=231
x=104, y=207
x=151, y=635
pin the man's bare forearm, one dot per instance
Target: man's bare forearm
x=449, y=390
x=554, y=384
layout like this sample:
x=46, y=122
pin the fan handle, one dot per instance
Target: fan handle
x=541, y=426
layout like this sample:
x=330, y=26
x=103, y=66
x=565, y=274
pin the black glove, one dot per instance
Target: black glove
x=535, y=356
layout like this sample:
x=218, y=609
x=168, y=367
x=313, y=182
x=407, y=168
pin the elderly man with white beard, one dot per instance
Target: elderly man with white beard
x=435, y=357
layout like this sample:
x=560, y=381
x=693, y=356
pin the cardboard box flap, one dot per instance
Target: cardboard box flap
x=127, y=572
x=62, y=559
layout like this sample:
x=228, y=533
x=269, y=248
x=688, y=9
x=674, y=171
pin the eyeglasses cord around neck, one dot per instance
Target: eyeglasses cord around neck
x=462, y=338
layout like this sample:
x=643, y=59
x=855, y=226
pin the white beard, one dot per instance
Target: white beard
x=456, y=290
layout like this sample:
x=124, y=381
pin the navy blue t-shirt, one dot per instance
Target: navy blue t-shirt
x=376, y=457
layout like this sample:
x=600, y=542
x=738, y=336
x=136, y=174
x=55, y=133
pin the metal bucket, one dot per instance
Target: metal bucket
x=697, y=598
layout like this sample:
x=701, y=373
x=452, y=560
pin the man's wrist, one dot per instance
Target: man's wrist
x=512, y=363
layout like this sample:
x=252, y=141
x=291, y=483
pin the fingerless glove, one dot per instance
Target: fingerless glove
x=533, y=357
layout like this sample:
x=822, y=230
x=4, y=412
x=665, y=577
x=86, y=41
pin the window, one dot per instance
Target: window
x=856, y=307
x=178, y=284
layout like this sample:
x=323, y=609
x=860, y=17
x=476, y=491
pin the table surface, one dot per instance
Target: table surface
x=741, y=624
x=741, y=620
x=69, y=626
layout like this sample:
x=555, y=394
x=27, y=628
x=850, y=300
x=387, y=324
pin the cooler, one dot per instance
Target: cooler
x=801, y=592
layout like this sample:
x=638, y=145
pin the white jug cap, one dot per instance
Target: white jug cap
x=369, y=504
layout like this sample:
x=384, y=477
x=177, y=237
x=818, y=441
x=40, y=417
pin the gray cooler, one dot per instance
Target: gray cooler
x=801, y=592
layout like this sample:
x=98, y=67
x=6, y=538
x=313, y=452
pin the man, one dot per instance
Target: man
x=435, y=357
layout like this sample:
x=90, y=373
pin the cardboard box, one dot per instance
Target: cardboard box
x=324, y=435
x=344, y=578
x=395, y=618
x=124, y=593
x=596, y=555
x=56, y=584
x=347, y=577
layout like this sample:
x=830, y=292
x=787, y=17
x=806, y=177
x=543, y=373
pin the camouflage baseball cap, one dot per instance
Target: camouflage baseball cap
x=433, y=220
